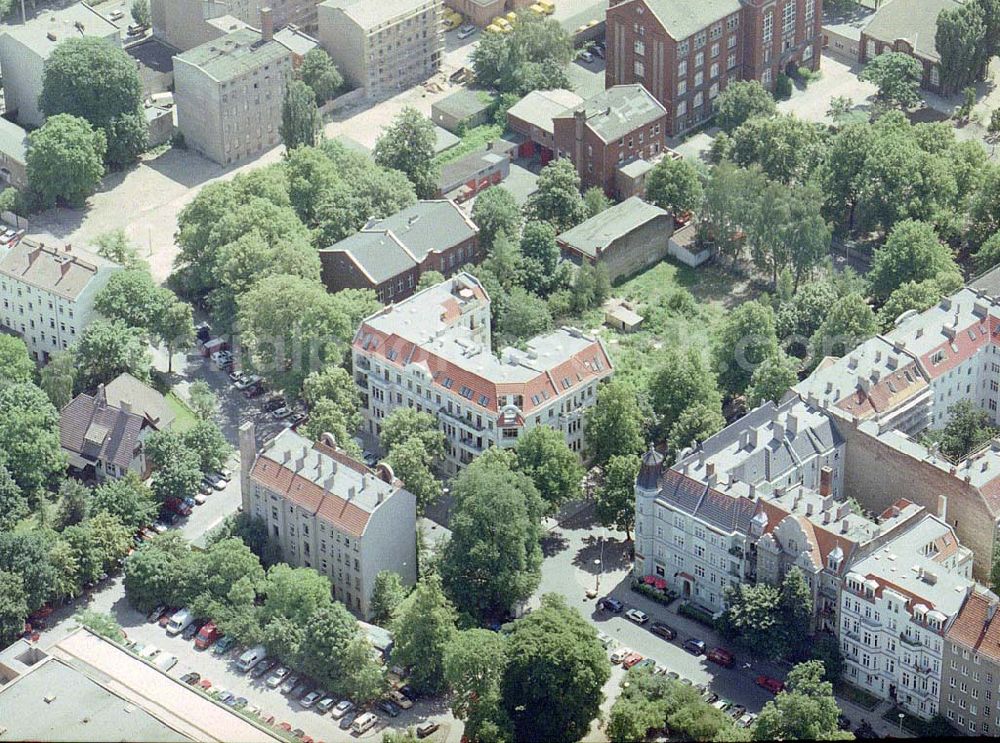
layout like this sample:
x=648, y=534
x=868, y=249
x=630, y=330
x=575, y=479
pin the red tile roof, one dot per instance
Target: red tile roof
x=961, y=348
x=976, y=629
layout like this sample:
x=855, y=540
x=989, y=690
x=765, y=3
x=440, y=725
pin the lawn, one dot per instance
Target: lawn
x=858, y=696
x=471, y=141
x=185, y=418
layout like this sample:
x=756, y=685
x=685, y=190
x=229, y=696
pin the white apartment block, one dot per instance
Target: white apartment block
x=47, y=294
x=330, y=512
x=383, y=46
x=229, y=93
x=185, y=24
x=432, y=352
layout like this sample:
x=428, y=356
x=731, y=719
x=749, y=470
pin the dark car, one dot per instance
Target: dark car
x=192, y=629
x=843, y=723
x=663, y=630
x=865, y=731
x=346, y=720
x=191, y=678
x=263, y=667
x=694, y=646
x=388, y=707
x=611, y=604
x=273, y=404
x=409, y=692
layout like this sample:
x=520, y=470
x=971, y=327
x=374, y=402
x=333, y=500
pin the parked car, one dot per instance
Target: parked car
x=225, y=473
x=165, y=662
x=620, y=654
x=631, y=659
x=325, y=704
x=277, y=678
x=772, y=685
x=263, y=668
x=737, y=711
x=639, y=617
x=223, y=645
x=207, y=636
x=166, y=616
x=191, y=678
x=466, y=31
x=236, y=376
x=311, y=698
x=709, y=696
x=585, y=56
x=347, y=721
x=179, y=622
x=226, y=697
x=251, y=658
x=746, y=720
x=695, y=646
x=204, y=487
x=149, y=652
x=282, y=413
x=722, y=704
x=401, y=699
x=301, y=689
x=426, y=728
x=156, y=613
x=721, y=656
x=388, y=707
x=409, y=692
x=341, y=709
x=363, y=723
x=200, y=499
x=663, y=630
x=290, y=682
x=255, y=390
x=215, y=481
x=611, y=604
x=273, y=404
x=191, y=630
x=245, y=382
x=843, y=723
x=646, y=663
x=605, y=639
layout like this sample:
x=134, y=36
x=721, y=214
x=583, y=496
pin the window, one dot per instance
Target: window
x=699, y=78
x=768, y=26
x=640, y=69
x=699, y=59
x=682, y=108
x=935, y=78
x=732, y=23
x=715, y=50
x=731, y=42
x=788, y=18
x=640, y=47
x=807, y=53
x=682, y=87
x=699, y=39
x=810, y=9
x=714, y=71
x=698, y=99
x=730, y=61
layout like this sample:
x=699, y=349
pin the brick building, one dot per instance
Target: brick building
x=615, y=127
x=685, y=53
x=389, y=255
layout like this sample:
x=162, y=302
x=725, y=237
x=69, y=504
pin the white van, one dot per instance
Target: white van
x=180, y=621
x=251, y=657
x=363, y=723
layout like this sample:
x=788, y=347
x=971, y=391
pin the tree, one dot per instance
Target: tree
x=694, y=425
x=25, y=554
x=388, y=594
x=13, y=504
x=474, y=664
x=74, y=503
x=177, y=477
x=154, y=573
x=613, y=425
x=128, y=498
x=319, y=73
x=525, y=315
x=496, y=211
x=913, y=252
x=556, y=669
x=557, y=199
x=493, y=560
x=544, y=456
x=730, y=196
x=329, y=633
x=13, y=606
x=897, y=76
x=615, y=499
x=140, y=12
x=848, y=322
x=115, y=246
x=403, y=424
x=202, y=400
x=742, y=101
x=109, y=348
x=422, y=631
x=540, y=256
x=29, y=438
x=132, y=297
x=826, y=650
x=533, y=56
x=407, y=145
x=327, y=417
x=252, y=530
x=300, y=120
x=595, y=201
x=112, y=539
x=410, y=462
x=840, y=107
x=65, y=161
x=961, y=44
x=91, y=78
x=334, y=383
x=174, y=327
x=772, y=379
x=753, y=619
x=100, y=623
x=429, y=279
x=206, y=442
x=16, y=365
x=682, y=380
x=967, y=429
x=745, y=338
x=674, y=185
x=909, y=296
x=807, y=709
x=796, y=607
x=294, y=594
x=786, y=148
x=58, y=378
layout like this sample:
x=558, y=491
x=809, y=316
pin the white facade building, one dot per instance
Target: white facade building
x=432, y=352
x=47, y=294
x=330, y=512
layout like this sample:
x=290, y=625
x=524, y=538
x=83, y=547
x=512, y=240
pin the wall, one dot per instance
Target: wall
x=198, y=111
x=639, y=248
x=344, y=41
x=22, y=80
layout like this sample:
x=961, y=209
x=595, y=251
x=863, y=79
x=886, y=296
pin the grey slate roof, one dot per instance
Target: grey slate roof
x=91, y=428
x=618, y=110
x=13, y=141
x=295, y=41
x=464, y=103
x=234, y=54
x=912, y=20
x=65, y=272
x=597, y=233
x=731, y=514
x=988, y=282
x=539, y=107
x=377, y=253
x=427, y=226
x=142, y=398
x=682, y=18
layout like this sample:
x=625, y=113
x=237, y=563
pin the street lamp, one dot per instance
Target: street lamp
x=597, y=585
x=901, y=715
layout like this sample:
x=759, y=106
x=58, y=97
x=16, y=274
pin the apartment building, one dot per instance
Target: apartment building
x=390, y=255
x=47, y=294
x=25, y=47
x=432, y=352
x=13, y=155
x=970, y=684
x=383, y=46
x=185, y=24
x=229, y=94
x=897, y=604
x=686, y=53
x=618, y=125
x=330, y=512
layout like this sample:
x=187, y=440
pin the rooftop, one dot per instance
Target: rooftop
x=454, y=171
x=592, y=236
x=13, y=141
x=140, y=398
x=66, y=271
x=619, y=110
x=539, y=107
x=234, y=54
x=377, y=253
x=977, y=625
x=465, y=102
x=681, y=19
x=90, y=430
x=912, y=20
x=322, y=479
x=371, y=13
x=43, y=33
x=296, y=41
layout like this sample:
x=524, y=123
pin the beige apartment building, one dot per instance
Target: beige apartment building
x=229, y=93
x=330, y=512
x=383, y=46
x=47, y=294
x=185, y=24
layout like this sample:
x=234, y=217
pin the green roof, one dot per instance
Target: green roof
x=465, y=103
x=683, y=18
x=234, y=54
x=912, y=20
x=598, y=232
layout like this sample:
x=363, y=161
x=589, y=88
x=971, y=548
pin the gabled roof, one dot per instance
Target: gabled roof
x=237, y=53
x=681, y=19
x=428, y=226
x=377, y=253
x=977, y=625
x=726, y=512
x=912, y=20
x=65, y=272
x=94, y=430
x=591, y=237
x=141, y=398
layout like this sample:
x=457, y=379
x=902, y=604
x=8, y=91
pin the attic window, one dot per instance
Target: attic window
x=448, y=382
x=937, y=357
x=566, y=383
x=536, y=399
x=466, y=392
x=972, y=334
x=545, y=394
x=392, y=354
x=484, y=400
x=597, y=363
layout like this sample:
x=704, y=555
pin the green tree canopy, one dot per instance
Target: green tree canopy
x=544, y=456
x=422, y=630
x=320, y=74
x=682, y=379
x=108, y=349
x=532, y=57
x=557, y=199
x=615, y=424
x=742, y=101
x=407, y=145
x=128, y=498
x=387, y=596
x=615, y=500
x=786, y=148
x=300, y=120
x=807, y=709
x=13, y=504
x=58, y=378
x=15, y=364
x=13, y=606
x=772, y=379
x=674, y=185
x=745, y=338
x=848, y=322
x=132, y=297
x=29, y=438
x=496, y=211
x=897, y=76
x=65, y=160
x=913, y=252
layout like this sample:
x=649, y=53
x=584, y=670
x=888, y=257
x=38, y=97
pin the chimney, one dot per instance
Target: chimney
x=779, y=430
x=843, y=526
x=793, y=424
x=248, y=453
x=350, y=493
x=942, y=507
x=101, y=396
x=809, y=509
x=825, y=481
x=266, y=25
x=710, y=469
x=125, y=406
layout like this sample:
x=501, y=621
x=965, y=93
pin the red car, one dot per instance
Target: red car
x=207, y=635
x=721, y=656
x=630, y=660
x=772, y=685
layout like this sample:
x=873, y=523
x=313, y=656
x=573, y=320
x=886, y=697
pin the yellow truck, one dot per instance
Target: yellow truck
x=537, y=9
x=548, y=7
x=452, y=20
x=493, y=28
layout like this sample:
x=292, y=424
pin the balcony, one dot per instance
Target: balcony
x=907, y=640
x=362, y=382
x=362, y=362
x=734, y=572
x=736, y=551
x=460, y=420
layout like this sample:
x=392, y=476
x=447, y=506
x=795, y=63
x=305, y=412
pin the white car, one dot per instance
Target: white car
x=282, y=413
x=621, y=653
x=325, y=704
x=639, y=617
x=275, y=679
x=200, y=498
x=341, y=709
x=149, y=652
x=585, y=57
x=466, y=31
x=165, y=662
